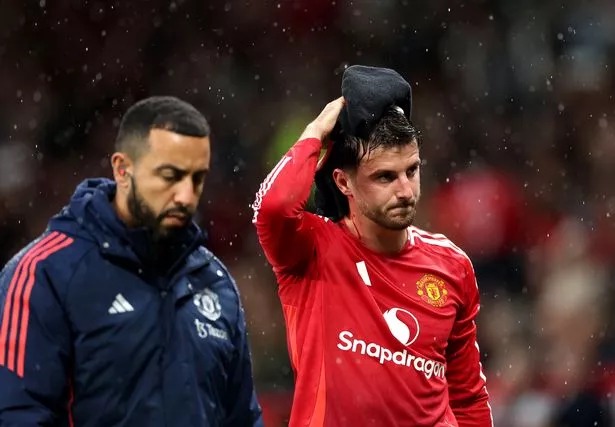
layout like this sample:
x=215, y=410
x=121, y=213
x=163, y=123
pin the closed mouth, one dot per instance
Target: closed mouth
x=178, y=216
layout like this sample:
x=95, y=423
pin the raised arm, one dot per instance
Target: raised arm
x=279, y=207
x=467, y=384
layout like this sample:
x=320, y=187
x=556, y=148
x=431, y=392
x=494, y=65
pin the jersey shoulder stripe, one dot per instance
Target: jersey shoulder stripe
x=434, y=239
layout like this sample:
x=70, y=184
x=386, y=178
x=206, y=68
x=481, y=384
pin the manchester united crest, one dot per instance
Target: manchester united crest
x=432, y=290
x=208, y=304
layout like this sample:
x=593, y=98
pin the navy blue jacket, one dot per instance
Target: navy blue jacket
x=95, y=331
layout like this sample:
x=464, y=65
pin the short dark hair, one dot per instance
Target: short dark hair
x=394, y=129
x=158, y=112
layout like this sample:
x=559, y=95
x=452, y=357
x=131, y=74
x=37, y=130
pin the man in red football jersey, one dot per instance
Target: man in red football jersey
x=380, y=315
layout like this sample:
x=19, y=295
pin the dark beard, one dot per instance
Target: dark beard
x=144, y=217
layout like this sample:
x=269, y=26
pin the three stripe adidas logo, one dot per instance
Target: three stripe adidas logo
x=120, y=305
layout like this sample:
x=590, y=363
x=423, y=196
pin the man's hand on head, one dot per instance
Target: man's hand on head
x=322, y=125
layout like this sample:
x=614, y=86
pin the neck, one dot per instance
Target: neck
x=120, y=205
x=374, y=236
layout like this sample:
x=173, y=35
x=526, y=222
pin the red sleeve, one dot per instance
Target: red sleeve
x=279, y=208
x=466, y=382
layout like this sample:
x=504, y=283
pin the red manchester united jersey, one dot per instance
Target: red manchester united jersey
x=375, y=340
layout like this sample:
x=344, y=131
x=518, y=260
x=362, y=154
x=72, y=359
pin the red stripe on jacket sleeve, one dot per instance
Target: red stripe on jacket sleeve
x=10, y=296
x=25, y=313
x=16, y=314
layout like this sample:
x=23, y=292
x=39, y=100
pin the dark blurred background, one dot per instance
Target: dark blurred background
x=514, y=99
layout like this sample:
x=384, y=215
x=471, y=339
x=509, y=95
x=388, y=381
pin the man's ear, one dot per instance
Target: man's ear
x=342, y=182
x=121, y=165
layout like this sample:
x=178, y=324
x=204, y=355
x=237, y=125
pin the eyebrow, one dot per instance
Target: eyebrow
x=178, y=170
x=385, y=171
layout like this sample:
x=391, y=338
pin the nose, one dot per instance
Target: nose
x=186, y=193
x=404, y=188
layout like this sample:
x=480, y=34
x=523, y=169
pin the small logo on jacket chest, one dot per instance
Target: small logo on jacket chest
x=432, y=290
x=203, y=330
x=208, y=304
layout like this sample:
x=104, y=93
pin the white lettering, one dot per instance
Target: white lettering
x=356, y=343
x=373, y=350
x=417, y=366
x=428, y=367
x=385, y=355
x=200, y=328
x=215, y=332
x=399, y=357
x=409, y=360
x=344, y=335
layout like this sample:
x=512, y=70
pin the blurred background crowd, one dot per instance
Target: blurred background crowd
x=514, y=99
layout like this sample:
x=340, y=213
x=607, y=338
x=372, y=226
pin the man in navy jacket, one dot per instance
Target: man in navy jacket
x=118, y=315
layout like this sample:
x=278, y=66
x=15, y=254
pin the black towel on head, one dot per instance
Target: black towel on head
x=369, y=92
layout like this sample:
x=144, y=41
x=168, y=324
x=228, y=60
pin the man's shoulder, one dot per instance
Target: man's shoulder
x=321, y=226
x=43, y=247
x=438, y=245
x=202, y=254
x=214, y=269
x=55, y=252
